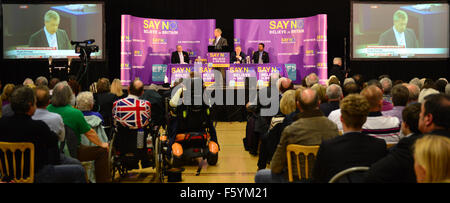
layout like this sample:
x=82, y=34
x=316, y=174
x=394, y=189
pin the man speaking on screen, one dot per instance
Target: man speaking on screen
x=399, y=35
x=50, y=35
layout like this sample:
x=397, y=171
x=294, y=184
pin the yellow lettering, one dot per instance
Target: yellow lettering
x=145, y=24
x=294, y=24
x=272, y=25
x=285, y=24
x=165, y=25
x=280, y=25
x=157, y=24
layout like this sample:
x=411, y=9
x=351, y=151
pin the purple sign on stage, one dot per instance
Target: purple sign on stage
x=147, y=45
x=299, y=43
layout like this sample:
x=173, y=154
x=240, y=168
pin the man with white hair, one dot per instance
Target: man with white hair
x=348, y=81
x=28, y=82
x=416, y=81
x=334, y=95
x=50, y=35
x=399, y=34
x=311, y=79
x=414, y=92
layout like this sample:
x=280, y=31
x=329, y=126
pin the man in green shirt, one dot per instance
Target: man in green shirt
x=74, y=119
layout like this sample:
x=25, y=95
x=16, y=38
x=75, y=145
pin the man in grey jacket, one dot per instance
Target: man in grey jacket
x=310, y=127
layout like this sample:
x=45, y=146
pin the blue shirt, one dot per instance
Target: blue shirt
x=51, y=39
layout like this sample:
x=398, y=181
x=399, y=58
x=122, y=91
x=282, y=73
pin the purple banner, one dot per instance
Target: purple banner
x=299, y=43
x=218, y=57
x=176, y=71
x=147, y=45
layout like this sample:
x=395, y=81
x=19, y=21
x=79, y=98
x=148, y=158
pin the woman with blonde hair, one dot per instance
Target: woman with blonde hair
x=432, y=159
x=117, y=89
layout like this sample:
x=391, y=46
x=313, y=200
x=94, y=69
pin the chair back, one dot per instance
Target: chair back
x=71, y=142
x=297, y=150
x=353, y=173
x=390, y=144
x=5, y=163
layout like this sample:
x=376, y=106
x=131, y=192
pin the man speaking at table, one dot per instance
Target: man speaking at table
x=219, y=42
x=399, y=35
x=50, y=35
x=180, y=56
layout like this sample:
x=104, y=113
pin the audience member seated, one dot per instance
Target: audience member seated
x=21, y=128
x=414, y=92
x=74, y=118
x=386, y=104
x=400, y=96
x=431, y=117
x=334, y=95
x=386, y=85
x=311, y=80
x=416, y=81
x=157, y=103
x=105, y=99
x=53, y=120
x=29, y=83
x=321, y=92
x=425, y=92
x=377, y=125
x=333, y=80
x=432, y=159
x=41, y=81
x=6, y=94
x=310, y=128
x=440, y=85
x=350, y=88
x=270, y=140
x=348, y=81
x=447, y=89
x=52, y=84
x=351, y=149
x=117, y=89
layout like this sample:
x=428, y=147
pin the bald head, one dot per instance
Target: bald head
x=42, y=96
x=136, y=88
x=374, y=95
x=308, y=100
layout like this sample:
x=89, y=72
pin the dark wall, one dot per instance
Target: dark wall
x=224, y=12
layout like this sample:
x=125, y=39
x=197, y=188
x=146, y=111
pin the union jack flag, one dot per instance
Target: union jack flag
x=132, y=112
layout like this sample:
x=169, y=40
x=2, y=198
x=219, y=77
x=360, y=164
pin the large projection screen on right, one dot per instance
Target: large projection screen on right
x=400, y=30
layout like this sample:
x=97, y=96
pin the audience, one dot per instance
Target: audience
x=414, y=92
x=6, y=94
x=447, y=89
x=117, y=89
x=321, y=92
x=21, y=128
x=309, y=128
x=377, y=125
x=351, y=88
x=433, y=119
x=333, y=80
x=74, y=119
x=334, y=95
x=386, y=104
x=440, y=85
x=53, y=120
x=41, y=81
x=400, y=96
x=416, y=81
x=105, y=99
x=432, y=159
x=351, y=149
x=386, y=85
x=348, y=81
x=311, y=79
x=52, y=84
x=425, y=92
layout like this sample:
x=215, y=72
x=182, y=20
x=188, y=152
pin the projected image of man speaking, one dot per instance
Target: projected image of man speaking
x=399, y=34
x=50, y=35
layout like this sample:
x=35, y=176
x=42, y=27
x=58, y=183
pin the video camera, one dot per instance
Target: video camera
x=85, y=45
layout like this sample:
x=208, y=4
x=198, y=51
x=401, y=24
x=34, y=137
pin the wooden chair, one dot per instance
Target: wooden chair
x=13, y=147
x=300, y=149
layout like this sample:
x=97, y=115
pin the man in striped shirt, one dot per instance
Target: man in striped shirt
x=377, y=125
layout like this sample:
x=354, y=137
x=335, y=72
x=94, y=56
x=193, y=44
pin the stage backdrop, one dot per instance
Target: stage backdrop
x=299, y=43
x=147, y=45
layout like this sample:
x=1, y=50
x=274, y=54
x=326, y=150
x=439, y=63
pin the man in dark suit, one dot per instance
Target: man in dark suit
x=351, y=149
x=219, y=42
x=50, y=35
x=179, y=56
x=399, y=35
x=429, y=117
x=260, y=56
x=237, y=56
